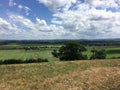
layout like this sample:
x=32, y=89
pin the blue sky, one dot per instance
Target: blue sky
x=59, y=19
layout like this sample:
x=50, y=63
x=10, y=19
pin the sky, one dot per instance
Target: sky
x=59, y=19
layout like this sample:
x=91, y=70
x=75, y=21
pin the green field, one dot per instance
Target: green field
x=15, y=51
x=70, y=75
x=22, y=54
x=111, y=51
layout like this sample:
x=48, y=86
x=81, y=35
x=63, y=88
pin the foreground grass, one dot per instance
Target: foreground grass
x=74, y=75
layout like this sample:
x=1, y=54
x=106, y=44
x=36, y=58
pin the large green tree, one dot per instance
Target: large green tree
x=70, y=51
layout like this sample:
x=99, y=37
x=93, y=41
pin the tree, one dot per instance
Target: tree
x=70, y=51
x=98, y=54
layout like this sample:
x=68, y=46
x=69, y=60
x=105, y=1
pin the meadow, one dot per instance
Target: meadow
x=66, y=75
x=16, y=51
x=22, y=54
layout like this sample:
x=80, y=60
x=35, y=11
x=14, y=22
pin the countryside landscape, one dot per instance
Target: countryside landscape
x=60, y=45
x=54, y=74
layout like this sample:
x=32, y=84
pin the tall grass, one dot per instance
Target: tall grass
x=59, y=75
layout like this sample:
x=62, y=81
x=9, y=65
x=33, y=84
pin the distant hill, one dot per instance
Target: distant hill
x=90, y=42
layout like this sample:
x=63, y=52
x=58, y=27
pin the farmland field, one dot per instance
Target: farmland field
x=22, y=54
x=70, y=75
x=111, y=51
x=16, y=51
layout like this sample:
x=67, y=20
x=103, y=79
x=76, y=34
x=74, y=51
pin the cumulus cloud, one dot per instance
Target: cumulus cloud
x=8, y=30
x=12, y=3
x=19, y=27
x=88, y=20
x=55, y=5
x=102, y=3
x=25, y=8
x=22, y=22
x=63, y=5
x=28, y=25
x=41, y=25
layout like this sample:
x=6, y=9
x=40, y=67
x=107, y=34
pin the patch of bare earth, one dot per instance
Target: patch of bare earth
x=90, y=79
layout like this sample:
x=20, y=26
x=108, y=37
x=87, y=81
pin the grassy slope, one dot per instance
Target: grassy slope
x=76, y=75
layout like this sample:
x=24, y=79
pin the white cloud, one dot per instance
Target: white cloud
x=28, y=25
x=19, y=27
x=83, y=21
x=55, y=5
x=41, y=25
x=102, y=3
x=22, y=22
x=25, y=8
x=86, y=22
x=12, y=3
x=8, y=30
x=64, y=5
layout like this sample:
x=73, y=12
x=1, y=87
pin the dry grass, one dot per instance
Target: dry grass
x=76, y=75
x=91, y=79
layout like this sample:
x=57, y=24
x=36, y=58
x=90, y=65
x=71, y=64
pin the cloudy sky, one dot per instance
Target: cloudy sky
x=59, y=19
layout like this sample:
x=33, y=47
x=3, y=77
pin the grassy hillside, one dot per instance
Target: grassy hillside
x=74, y=75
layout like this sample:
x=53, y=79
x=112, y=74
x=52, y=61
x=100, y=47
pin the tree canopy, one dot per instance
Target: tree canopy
x=70, y=51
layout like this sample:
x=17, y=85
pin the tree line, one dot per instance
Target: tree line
x=97, y=42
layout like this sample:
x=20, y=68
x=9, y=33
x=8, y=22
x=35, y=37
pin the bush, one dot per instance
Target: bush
x=98, y=54
x=1, y=62
x=19, y=61
x=31, y=60
x=115, y=58
x=12, y=61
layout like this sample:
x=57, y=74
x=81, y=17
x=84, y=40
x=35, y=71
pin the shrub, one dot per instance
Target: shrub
x=98, y=54
x=12, y=61
x=19, y=61
x=1, y=62
x=31, y=60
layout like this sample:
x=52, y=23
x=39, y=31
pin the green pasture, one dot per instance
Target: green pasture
x=22, y=54
x=112, y=51
x=14, y=45
x=16, y=51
